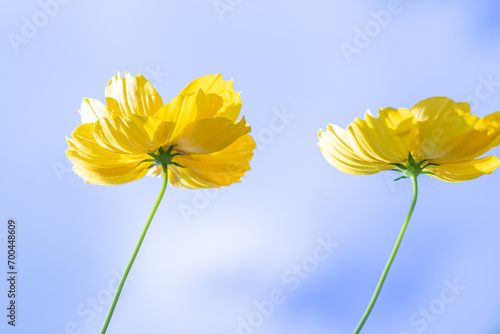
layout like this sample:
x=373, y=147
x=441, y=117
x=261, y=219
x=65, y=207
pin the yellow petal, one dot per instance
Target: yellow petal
x=155, y=171
x=98, y=165
x=438, y=110
x=446, y=129
x=214, y=170
x=132, y=134
x=92, y=109
x=210, y=135
x=468, y=145
x=214, y=84
x=388, y=138
x=338, y=151
x=492, y=122
x=185, y=109
x=465, y=170
x=129, y=95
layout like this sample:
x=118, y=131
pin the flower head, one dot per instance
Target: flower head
x=437, y=136
x=196, y=136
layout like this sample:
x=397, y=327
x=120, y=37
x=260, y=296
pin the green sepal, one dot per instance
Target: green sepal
x=163, y=158
x=429, y=164
x=411, y=160
x=169, y=150
x=400, y=166
x=422, y=162
x=177, y=164
x=147, y=160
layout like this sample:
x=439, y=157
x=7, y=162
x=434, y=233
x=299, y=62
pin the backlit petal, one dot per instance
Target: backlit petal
x=129, y=95
x=98, y=165
x=214, y=84
x=92, y=109
x=465, y=170
x=214, y=170
x=210, y=135
x=338, y=151
x=132, y=134
x=388, y=138
x=185, y=109
x=492, y=122
x=468, y=145
x=443, y=125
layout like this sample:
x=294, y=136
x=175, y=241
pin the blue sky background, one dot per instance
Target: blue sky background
x=202, y=272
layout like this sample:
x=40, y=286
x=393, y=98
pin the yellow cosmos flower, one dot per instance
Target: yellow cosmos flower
x=437, y=136
x=196, y=135
x=195, y=140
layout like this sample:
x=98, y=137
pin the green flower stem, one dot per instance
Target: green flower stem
x=134, y=255
x=391, y=259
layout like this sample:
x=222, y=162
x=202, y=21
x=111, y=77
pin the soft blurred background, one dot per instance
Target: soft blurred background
x=241, y=260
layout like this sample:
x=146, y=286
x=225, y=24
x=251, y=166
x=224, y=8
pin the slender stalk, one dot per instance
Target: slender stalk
x=134, y=255
x=391, y=259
